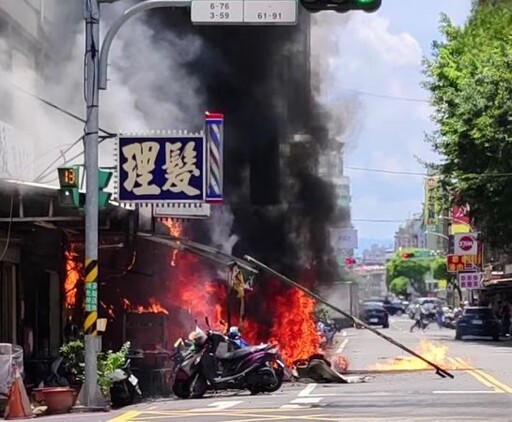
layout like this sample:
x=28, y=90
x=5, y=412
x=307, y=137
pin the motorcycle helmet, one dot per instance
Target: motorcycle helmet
x=234, y=332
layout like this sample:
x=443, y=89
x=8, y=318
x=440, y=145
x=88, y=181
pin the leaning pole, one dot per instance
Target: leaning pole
x=439, y=371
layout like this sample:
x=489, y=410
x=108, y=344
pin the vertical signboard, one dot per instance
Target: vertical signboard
x=161, y=169
x=460, y=219
x=431, y=216
x=214, y=135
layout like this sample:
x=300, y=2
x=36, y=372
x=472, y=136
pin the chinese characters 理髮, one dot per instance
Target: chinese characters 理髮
x=180, y=166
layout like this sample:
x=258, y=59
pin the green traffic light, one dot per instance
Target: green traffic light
x=368, y=5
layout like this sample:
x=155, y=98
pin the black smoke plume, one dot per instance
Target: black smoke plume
x=259, y=77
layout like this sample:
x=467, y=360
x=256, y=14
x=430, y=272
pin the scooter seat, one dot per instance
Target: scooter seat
x=240, y=352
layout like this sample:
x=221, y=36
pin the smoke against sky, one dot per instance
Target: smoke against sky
x=139, y=96
x=342, y=109
x=166, y=79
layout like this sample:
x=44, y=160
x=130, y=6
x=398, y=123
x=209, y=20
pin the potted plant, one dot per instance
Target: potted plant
x=107, y=363
x=73, y=353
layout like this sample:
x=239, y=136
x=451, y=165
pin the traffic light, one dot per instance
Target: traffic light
x=341, y=6
x=69, y=179
x=104, y=177
x=349, y=261
x=69, y=195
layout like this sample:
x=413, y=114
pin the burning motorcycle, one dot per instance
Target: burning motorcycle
x=209, y=365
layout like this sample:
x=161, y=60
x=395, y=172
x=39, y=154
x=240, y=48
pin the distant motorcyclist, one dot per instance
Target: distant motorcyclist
x=419, y=316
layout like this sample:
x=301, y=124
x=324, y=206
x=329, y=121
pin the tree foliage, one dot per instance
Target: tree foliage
x=399, y=285
x=412, y=269
x=470, y=79
x=439, y=269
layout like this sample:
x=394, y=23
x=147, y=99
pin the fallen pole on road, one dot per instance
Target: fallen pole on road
x=439, y=371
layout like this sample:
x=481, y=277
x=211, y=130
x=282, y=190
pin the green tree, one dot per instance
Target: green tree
x=413, y=269
x=399, y=285
x=470, y=79
x=439, y=269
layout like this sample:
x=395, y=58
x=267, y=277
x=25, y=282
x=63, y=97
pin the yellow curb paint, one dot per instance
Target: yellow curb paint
x=125, y=417
x=485, y=378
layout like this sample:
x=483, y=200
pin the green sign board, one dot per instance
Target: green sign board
x=91, y=297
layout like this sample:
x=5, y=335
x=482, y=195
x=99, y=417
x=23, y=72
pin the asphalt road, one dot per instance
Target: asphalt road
x=480, y=391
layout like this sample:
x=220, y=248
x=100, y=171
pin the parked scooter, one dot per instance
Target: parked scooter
x=211, y=366
x=125, y=388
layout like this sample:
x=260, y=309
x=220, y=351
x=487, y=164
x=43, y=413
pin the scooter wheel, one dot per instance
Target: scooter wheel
x=277, y=385
x=198, y=387
x=181, y=389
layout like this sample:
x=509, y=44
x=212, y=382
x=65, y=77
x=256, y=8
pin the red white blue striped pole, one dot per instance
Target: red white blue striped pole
x=214, y=135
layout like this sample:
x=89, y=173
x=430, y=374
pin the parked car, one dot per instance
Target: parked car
x=373, y=313
x=394, y=308
x=478, y=322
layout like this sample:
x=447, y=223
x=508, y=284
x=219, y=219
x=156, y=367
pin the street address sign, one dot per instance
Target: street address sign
x=249, y=12
x=217, y=12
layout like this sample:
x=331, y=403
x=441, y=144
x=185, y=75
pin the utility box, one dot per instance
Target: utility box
x=345, y=296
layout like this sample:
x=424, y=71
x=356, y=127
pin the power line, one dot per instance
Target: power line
x=376, y=220
x=372, y=170
x=386, y=97
x=56, y=107
x=412, y=173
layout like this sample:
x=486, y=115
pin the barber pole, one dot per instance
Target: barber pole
x=214, y=133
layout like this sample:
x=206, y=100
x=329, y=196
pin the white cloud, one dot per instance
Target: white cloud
x=398, y=49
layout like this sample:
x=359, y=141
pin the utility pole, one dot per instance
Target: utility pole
x=90, y=396
x=95, y=78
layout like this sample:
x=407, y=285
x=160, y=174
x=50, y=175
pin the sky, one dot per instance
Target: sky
x=381, y=53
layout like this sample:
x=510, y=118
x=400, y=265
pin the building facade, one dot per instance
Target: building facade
x=410, y=235
x=343, y=235
x=24, y=48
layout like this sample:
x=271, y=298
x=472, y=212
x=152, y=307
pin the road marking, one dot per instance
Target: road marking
x=484, y=377
x=342, y=346
x=126, y=416
x=468, y=369
x=308, y=390
x=306, y=400
x=217, y=406
x=464, y=392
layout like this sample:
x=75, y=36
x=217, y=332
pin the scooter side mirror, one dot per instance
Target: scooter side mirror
x=207, y=321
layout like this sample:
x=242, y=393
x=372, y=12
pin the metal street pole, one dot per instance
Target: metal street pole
x=95, y=78
x=90, y=394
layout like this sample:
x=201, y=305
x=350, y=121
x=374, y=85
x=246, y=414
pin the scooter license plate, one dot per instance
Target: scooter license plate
x=133, y=380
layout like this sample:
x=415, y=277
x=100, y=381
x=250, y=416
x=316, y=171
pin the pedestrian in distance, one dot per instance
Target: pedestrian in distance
x=419, y=316
x=440, y=317
x=505, y=319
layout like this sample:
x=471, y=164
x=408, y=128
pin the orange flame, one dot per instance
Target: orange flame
x=436, y=353
x=73, y=275
x=175, y=229
x=154, y=307
x=294, y=326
